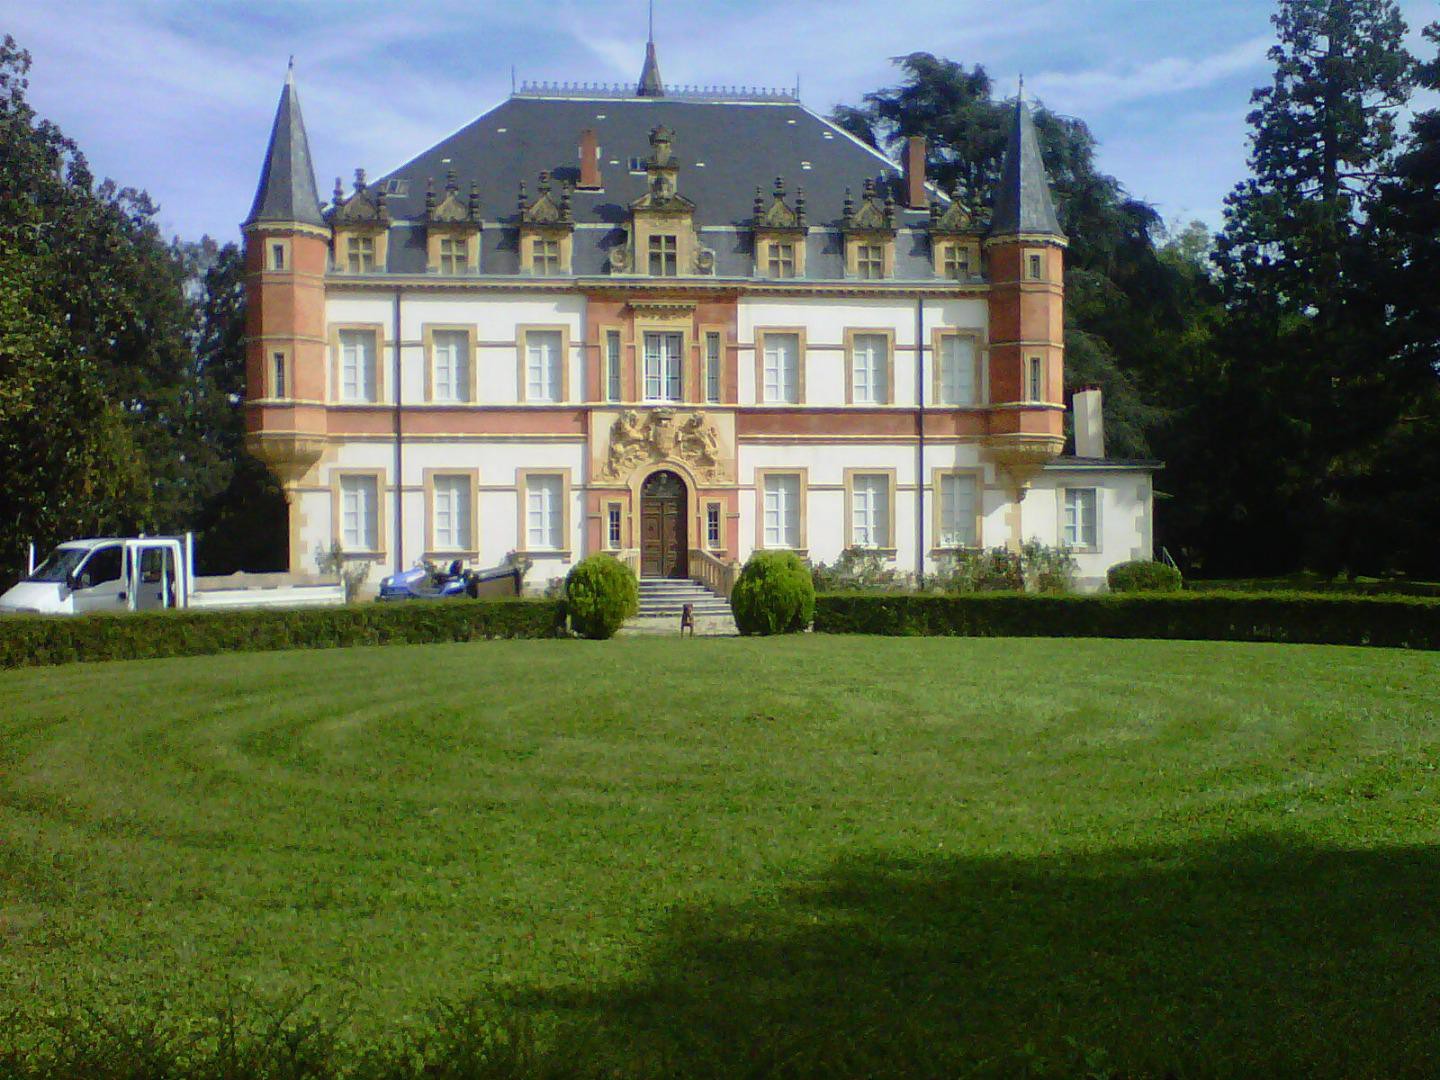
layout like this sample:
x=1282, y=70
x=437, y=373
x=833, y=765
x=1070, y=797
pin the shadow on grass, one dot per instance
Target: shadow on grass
x=1261, y=956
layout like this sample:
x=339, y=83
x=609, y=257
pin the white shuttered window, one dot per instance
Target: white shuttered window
x=869, y=369
x=1080, y=518
x=544, y=513
x=957, y=510
x=782, y=369
x=357, y=365
x=782, y=511
x=359, y=513
x=957, y=370
x=453, y=521
x=452, y=365
x=542, y=365
x=870, y=511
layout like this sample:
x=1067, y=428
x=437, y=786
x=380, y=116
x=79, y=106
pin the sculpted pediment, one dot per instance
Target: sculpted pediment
x=638, y=439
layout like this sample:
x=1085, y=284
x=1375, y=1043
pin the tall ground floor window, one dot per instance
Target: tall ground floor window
x=780, y=494
x=870, y=510
x=544, y=512
x=360, y=513
x=453, y=523
x=958, y=510
x=1081, y=518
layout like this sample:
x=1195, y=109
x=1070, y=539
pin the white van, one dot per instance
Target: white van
x=150, y=573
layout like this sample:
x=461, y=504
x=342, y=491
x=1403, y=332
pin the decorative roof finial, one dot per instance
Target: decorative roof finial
x=650, y=82
x=1021, y=92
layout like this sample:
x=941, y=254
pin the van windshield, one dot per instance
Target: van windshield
x=63, y=562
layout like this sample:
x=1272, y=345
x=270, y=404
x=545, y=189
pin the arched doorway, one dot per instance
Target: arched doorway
x=664, y=552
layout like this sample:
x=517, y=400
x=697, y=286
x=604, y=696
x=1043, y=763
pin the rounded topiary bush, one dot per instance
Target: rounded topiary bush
x=775, y=594
x=600, y=594
x=1142, y=575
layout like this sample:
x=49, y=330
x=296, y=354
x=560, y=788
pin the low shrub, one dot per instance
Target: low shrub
x=1143, y=575
x=1402, y=622
x=1036, y=567
x=774, y=594
x=27, y=640
x=856, y=568
x=600, y=594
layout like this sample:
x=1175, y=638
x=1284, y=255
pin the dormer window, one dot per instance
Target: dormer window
x=545, y=256
x=454, y=255
x=956, y=262
x=869, y=261
x=663, y=254
x=782, y=259
x=360, y=254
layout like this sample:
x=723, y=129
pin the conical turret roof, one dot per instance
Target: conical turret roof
x=1023, y=203
x=650, y=84
x=287, y=191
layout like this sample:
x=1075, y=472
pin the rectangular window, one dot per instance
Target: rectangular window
x=662, y=256
x=869, y=261
x=782, y=259
x=1035, y=265
x=360, y=254
x=542, y=365
x=712, y=525
x=781, y=380
x=1035, y=379
x=277, y=385
x=870, y=511
x=869, y=369
x=712, y=367
x=543, y=513
x=1080, y=518
x=277, y=256
x=612, y=526
x=357, y=365
x=359, y=513
x=958, y=492
x=454, y=253
x=782, y=510
x=662, y=366
x=545, y=256
x=453, y=524
x=956, y=262
x=612, y=365
x=451, y=357
x=957, y=371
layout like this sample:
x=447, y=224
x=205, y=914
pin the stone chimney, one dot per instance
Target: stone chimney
x=589, y=161
x=916, y=197
x=1089, y=423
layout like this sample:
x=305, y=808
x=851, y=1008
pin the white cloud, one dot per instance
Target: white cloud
x=1095, y=90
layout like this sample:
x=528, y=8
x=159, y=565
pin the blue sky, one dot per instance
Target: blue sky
x=177, y=96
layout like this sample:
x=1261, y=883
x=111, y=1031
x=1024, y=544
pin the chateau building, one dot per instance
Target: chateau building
x=677, y=325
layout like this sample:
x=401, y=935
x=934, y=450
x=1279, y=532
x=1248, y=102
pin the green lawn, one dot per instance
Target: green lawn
x=817, y=855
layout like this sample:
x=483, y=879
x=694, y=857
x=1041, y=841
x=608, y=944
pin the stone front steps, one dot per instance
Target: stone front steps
x=661, y=600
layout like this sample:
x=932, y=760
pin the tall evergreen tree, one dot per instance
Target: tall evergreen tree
x=1308, y=333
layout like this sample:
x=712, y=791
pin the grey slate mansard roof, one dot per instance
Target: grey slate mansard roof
x=741, y=145
x=286, y=192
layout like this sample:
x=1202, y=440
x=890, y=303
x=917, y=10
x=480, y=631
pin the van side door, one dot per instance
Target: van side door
x=100, y=580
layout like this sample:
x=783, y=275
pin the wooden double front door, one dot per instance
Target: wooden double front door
x=663, y=550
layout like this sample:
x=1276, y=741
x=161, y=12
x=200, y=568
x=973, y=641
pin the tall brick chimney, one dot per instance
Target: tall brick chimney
x=916, y=197
x=589, y=160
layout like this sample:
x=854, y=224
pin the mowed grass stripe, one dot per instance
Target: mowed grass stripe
x=1175, y=853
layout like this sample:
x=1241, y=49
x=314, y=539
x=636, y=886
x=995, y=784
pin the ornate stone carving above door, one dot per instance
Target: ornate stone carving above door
x=658, y=435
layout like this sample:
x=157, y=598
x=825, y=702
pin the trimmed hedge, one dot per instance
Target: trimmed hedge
x=600, y=594
x=1300, y=618
x=773, y=595
x=27, y=640
x=1143, y=575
